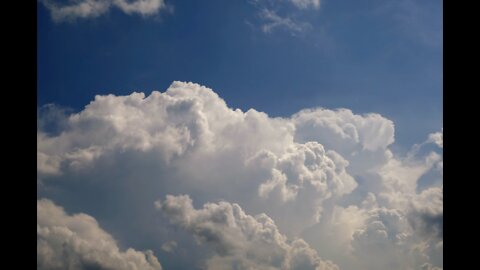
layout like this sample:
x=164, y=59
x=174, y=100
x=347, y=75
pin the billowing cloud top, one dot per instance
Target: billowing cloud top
x=321, y=188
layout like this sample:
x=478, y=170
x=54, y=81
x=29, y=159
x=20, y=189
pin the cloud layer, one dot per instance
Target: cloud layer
x=82, y=9
x=319, y=184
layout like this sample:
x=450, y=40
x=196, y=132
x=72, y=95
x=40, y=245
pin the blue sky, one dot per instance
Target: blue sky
x=369, y=56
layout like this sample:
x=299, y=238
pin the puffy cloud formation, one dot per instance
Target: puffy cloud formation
x=326, y=176
x=77, y=242
x=240, y=241
x=343, y=128
x=94, y=8
x=190, y=127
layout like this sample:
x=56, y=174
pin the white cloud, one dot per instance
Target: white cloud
x=436, y=138
x=77, y=242
x=272, y=21
x=342, y=128
x=190, y=127
x=298, y=182
x=300, y=4
x=362, y=139
x=306, y=3
x=287, y=15
x=143, y=7
x=95, y=8
x=326, y=175
x=240, y=241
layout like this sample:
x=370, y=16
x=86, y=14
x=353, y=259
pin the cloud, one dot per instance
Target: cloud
x=300, y=4
x=169, y=246
x=143, y=7
x=240, y=241
x=326, y=176
x=436, y=138
x=427, y=212
x=286, y=15
x=82, y=9
x=306, y=3
x=77, y=242
x=272, y=21
x=300, y=181
x=189, y=127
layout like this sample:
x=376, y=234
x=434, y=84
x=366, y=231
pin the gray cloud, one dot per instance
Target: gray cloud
x=169, y=246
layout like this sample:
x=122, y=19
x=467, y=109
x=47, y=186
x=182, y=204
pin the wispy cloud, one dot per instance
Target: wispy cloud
x=82, y=9
x=306, y=3
x=286, y=15
x=273, y=21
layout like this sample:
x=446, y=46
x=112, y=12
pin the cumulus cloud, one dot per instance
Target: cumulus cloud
x=190, y=127
x=77, y=242
x=240, y=241
x=82, y=9
x=300, y=180
x=427, y=212
x=326, y=176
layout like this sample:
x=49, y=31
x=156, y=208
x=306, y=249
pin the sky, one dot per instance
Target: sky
x=246, y=134
x=373, y=56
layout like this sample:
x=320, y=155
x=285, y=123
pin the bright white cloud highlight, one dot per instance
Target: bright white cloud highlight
x=77, y=242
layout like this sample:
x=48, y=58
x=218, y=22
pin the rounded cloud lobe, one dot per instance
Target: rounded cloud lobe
x=327, y=176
